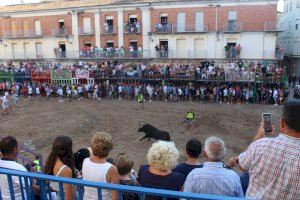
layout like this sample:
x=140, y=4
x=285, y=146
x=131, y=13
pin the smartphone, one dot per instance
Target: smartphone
x=267, y=119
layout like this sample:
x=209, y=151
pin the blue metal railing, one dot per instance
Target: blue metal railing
x=43, y=180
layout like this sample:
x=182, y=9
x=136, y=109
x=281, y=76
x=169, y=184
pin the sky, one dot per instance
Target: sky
x=8, y=2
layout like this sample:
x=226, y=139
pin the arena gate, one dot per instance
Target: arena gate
x=61, y=77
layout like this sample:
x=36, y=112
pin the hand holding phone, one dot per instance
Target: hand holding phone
x=267, y=120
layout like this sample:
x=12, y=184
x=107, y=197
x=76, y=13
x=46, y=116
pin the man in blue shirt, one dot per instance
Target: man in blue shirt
x=213, y=178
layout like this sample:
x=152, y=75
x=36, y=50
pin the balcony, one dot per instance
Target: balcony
x=191, y=29
x=272, y=27
x=82, y=31
x=233, y=27
x=60, y=32
x=133, y=28
x=109, y=30
x=163, y=28
x=22, y=34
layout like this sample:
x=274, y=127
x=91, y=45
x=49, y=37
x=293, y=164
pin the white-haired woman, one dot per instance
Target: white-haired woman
x=162, y=157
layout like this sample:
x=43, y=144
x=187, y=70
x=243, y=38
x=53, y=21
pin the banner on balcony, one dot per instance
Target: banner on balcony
x=82, y=73
x=61, y=74
x=36, y=74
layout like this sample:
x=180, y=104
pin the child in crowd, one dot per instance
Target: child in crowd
x=124, y=164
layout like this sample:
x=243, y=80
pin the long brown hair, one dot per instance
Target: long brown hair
x=62, y=149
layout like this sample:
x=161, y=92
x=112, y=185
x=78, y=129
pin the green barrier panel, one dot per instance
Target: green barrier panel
x=61, y=74
x=6, y=76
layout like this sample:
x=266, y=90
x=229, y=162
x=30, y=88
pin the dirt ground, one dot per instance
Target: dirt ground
x=37, y=123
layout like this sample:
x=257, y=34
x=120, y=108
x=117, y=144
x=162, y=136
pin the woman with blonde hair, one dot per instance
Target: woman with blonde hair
x=96, y=168
x=162, y=157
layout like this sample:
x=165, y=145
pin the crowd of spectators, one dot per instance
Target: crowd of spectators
x=204, y=70
x=133, y=27
x=231, y=84
x=270, y=165
x=205, y=93
x=164, y=26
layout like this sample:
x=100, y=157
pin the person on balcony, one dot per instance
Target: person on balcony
x=238, y=51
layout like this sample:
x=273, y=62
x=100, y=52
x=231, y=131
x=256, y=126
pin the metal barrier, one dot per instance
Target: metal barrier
x=26, y=187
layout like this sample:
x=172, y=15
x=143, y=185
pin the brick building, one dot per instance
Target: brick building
x=186, y=29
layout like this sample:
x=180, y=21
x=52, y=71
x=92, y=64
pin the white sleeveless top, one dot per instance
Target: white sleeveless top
x=55, y=185
x=95, y=172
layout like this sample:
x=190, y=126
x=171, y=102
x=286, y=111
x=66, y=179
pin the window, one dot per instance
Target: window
x=291, y=5
x=181, y=22
x=199, y=22
x=87, y=25
x=39, y=50
x=25, y=28
x=164, y=18
x=232, y=24
x=109, y=25
x=297, y=22
x=13, y=27
x=37, y=25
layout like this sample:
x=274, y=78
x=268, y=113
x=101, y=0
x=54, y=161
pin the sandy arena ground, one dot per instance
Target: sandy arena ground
x=40, y=121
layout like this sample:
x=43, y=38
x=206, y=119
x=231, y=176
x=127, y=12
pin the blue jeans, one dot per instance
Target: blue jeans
x=244, y=177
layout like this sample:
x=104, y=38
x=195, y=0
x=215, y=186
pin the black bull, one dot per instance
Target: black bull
x=155, y=133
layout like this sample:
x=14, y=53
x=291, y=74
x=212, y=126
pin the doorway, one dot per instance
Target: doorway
x=62, y=50
x=164, y=48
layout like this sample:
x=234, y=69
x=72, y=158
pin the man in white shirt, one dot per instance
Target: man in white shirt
x=275, y=96
x=213, y=178
x=5, y=104
x=9, y=150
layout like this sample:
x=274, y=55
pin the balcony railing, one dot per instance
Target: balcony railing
x=82, y=31
x=271, y=26
x=109, y=30
x=60, y=32
x=163, y=28
x=190, y=29
x=233, y=27
x=133, y=28
x=21, y=34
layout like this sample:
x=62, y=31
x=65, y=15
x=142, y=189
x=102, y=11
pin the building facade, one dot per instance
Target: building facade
x=289, y=38
x=183, y=29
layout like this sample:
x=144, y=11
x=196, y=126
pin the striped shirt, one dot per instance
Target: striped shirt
x=214, y=179
x=274, y=168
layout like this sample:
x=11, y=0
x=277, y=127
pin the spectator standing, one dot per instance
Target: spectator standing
x=60, y=163
x=162, y=157
x=213, y=178
x=273, y=163
x=193, y=151
x=9, y=150
x=96, y=168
